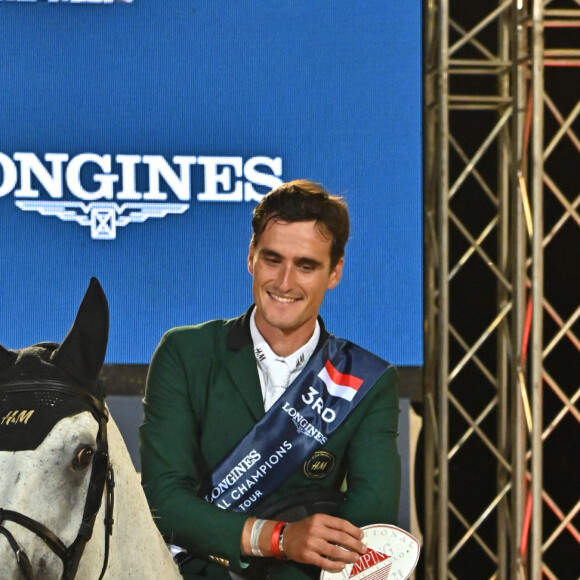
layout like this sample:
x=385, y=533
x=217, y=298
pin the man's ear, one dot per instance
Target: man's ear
x=251, y=259
x=335, y=275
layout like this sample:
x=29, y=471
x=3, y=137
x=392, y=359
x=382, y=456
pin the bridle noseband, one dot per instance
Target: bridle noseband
x=101, y=480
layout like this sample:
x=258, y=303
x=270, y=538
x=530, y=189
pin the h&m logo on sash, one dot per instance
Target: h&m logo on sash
x=319, y=465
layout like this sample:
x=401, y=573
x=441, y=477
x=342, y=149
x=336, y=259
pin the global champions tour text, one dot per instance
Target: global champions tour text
x=239, y=481
x=239, y=471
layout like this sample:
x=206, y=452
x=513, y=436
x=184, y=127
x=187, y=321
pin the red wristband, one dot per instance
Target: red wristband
x=275, y=541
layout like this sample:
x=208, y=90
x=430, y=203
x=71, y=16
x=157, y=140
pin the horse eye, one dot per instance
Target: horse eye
x=83, y=458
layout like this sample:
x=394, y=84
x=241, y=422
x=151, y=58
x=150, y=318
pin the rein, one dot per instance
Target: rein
x=102, y=479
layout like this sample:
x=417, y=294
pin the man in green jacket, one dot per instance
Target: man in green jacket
x=214, y=385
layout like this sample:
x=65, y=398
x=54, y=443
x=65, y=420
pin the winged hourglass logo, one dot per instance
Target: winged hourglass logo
x=102, y=217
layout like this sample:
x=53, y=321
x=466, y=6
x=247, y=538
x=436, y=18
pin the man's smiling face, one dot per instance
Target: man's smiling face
x=291, y=270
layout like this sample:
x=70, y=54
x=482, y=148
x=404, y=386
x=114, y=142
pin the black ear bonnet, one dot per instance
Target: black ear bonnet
x=36, y=383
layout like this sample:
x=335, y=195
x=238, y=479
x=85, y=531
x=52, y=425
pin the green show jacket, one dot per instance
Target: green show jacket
x=202, y=397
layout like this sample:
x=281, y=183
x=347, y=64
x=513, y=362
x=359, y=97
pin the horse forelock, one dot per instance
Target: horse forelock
x=35, y=364
x=32, y=363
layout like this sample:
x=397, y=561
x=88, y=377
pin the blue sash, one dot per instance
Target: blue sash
x=333, y=382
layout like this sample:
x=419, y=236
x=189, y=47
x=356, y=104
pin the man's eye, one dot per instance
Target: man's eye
x=307, y=266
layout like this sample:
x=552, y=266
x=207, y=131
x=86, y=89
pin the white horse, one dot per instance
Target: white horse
x=58, y=458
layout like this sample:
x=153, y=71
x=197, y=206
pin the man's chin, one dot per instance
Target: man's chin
x=285, y=324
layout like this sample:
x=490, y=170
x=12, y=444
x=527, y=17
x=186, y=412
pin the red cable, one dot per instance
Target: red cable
x=527, y=327
x=526, y=525
x=528, y=510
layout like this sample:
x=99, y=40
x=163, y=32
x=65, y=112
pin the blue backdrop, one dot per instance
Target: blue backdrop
x=217, y=102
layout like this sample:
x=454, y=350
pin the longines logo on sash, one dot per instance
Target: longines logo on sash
x=102, y=193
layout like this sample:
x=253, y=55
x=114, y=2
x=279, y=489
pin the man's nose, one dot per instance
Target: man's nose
x=285, y=278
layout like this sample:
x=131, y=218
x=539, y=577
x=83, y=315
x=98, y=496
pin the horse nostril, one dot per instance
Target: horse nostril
x=42, y=563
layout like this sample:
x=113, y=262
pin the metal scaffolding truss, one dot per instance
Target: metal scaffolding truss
x=502, y=289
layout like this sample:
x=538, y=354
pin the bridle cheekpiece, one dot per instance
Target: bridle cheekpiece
x=101, y=480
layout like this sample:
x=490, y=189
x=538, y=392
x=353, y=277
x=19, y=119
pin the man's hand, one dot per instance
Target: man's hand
x=324, y=541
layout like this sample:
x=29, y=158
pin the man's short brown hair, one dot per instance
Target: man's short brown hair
x=300, y=201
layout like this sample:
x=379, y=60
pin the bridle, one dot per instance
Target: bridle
x=101, y=480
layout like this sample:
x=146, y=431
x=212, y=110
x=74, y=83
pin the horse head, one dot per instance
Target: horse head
x=53, y=447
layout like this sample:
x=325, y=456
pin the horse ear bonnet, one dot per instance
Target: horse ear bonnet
x=82, y=352
x=29, y=410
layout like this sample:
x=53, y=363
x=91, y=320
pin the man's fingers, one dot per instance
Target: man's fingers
x=339, y=532
x=337, y=524
x=338, y=553
x=344, y=542
x=324, y=541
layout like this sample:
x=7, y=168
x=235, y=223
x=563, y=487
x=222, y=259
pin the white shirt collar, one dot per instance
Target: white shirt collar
x=264, y=354
x=295, y=361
